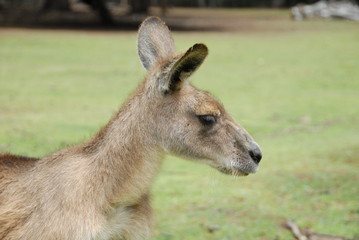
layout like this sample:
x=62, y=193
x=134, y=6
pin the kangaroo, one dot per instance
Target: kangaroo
x=100, y=189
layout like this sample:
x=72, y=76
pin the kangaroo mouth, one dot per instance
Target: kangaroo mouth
x=232, y=171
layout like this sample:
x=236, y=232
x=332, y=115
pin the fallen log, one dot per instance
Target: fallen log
x=306, y=234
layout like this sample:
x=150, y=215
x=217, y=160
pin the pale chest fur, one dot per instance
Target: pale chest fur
x=120, y=223
x=115, y=226
x=128, y=223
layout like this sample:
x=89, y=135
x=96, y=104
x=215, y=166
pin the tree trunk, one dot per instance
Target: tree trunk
x=163, y=6
x=105, y=15
x=63, y=5
x=140, y=6
x=103, y=12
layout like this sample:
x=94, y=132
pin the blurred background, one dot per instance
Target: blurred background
x=286, y=70
x=129, y=13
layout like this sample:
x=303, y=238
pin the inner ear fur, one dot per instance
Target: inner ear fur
x=186, y=66
x=155, y=42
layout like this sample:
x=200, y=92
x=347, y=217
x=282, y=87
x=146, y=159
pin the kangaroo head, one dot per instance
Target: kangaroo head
x=189, y=122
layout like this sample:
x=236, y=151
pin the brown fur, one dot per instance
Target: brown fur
x=100, y=189
x=12, y=162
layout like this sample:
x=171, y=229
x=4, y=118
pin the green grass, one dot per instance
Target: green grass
x=296, y=92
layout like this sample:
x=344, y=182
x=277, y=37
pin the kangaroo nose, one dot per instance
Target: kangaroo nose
x=255, y=153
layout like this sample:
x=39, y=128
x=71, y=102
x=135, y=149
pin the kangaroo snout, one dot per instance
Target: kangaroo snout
x=255, y=152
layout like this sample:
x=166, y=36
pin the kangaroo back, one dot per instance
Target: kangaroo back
x=13, y=165
x=10, y=163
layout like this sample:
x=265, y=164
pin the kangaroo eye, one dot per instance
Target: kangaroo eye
x=207, y=120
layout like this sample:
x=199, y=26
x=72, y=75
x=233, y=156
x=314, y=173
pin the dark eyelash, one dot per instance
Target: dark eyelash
x=207, y=120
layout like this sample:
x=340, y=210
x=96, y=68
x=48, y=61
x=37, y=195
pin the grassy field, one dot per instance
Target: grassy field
x=296, y=92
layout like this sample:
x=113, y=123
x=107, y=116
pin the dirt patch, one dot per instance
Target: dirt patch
x=348, y=156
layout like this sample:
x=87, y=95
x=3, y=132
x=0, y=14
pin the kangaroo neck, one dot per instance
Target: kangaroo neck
x=126, y=153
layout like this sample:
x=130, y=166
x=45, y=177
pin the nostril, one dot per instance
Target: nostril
x=256, y=155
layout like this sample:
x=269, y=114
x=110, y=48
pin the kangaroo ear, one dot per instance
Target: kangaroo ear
x=185, y=67
x=155, y=42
